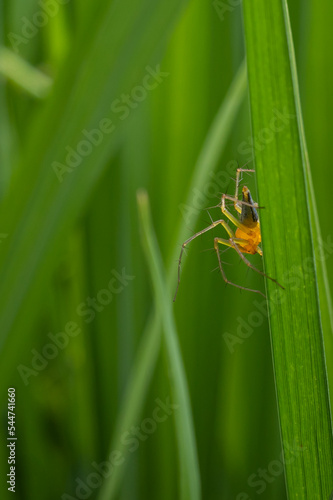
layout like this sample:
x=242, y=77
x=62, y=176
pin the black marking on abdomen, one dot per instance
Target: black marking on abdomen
x=249, y=215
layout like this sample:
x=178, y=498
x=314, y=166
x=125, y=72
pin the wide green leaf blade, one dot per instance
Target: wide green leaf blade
x=47, y=205
x=289, y=251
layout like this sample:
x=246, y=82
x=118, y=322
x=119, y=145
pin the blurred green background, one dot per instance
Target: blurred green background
x=68, y=68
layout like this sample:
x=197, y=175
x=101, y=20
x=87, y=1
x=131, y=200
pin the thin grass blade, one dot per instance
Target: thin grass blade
x=189, y=466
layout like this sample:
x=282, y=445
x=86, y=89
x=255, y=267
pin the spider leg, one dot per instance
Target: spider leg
x=237, y=203
x=229, y=243
x=214, y=224
x=231, y=217
x=259, y=251
x=238, y=242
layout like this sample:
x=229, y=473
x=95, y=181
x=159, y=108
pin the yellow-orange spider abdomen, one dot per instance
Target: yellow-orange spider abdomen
x=252, y=236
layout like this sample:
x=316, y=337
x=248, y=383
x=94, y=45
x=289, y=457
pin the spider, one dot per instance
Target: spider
x=247, y=237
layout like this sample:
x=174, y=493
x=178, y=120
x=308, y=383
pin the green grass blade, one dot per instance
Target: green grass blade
x=325, y=298
x=149, y=347
x=288, y=245
x=208, y=158
x=189, y=467
x=316, y=80
x=28, y=78
x=46, y=209
x=134, y=398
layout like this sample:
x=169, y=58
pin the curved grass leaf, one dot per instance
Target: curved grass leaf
x=189, y=467
x=17, y=70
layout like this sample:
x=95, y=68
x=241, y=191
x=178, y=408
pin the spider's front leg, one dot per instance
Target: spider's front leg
x=237, y=203
x=214, y=224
